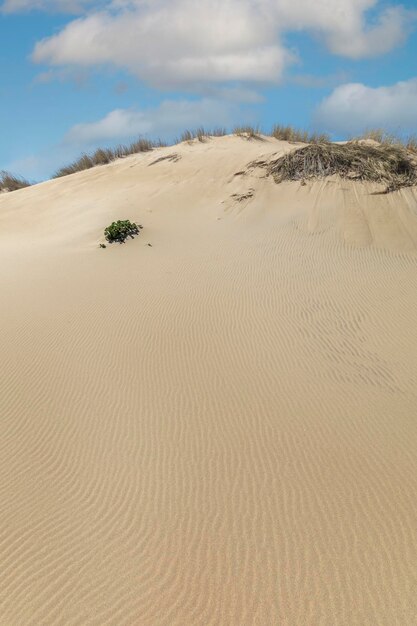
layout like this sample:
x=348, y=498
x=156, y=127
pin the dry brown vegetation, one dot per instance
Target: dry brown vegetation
x=411, y=144
x=9, y=182
x=289, y=133
x=102, y=156
x=382, y=137
x=201, y=134
x=249, y=132
x=388, y=164
x=285, y=133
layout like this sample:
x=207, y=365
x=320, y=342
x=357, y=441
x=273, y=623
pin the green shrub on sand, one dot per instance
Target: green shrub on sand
x=121, y=230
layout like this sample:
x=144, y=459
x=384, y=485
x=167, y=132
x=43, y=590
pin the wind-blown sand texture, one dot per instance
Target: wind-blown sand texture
x=220, y=429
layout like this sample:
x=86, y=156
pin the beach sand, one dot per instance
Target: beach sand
x=219, y=428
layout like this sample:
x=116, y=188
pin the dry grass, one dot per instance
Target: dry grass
x=249, y=132
x=289, y=133
x=9, y=182
x=201, y=134
x=318, y=138
x=381, y=136
x=102, y=156
x=388, y=162
x=218, y=132
x=411, y=144
x=187, y=135
x=390, y=165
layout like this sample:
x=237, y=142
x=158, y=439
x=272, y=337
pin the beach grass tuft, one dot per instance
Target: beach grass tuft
x=388, y=164
x=248, y=132
x=103, y=156
x=10, y=182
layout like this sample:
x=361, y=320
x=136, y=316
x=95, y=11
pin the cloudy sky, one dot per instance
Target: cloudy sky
x=76, y=74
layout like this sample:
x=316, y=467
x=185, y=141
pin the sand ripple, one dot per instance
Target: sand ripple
x=220, y=429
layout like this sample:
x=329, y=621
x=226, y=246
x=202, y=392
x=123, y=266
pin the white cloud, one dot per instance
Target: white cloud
x=180, y=43
x=169, y=118
x=354, y=107
x=118, y=124
x=357, y=41
x=343, y=26
x=189, y=43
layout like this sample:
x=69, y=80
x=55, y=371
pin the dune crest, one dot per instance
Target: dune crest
x=219, y=427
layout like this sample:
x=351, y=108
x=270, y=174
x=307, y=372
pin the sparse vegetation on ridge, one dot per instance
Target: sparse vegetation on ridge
x=201, y=134
x=9, y=182
x=382, y=137
x=250, y=132
x=391, y=165
x=288, y=133
x=103, y=156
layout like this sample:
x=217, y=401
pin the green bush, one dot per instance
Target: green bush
x=121, y=230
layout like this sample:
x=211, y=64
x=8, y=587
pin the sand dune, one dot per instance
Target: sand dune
x=217, y=429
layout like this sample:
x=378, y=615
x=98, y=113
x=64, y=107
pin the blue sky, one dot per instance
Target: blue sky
x=76, y=74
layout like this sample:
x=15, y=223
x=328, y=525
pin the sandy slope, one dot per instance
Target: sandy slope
x=218, y=429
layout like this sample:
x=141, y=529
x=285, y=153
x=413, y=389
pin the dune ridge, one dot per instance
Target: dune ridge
x=217, y=429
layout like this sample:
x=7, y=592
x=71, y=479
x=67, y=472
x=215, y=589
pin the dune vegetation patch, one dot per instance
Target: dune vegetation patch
x=391, y=165
x=120, y=231
x=201, y=133
x=289, y=133
x=10, y=182
x=381, y=136
x=248, y=132
x=103, y=156
x=323, y=157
